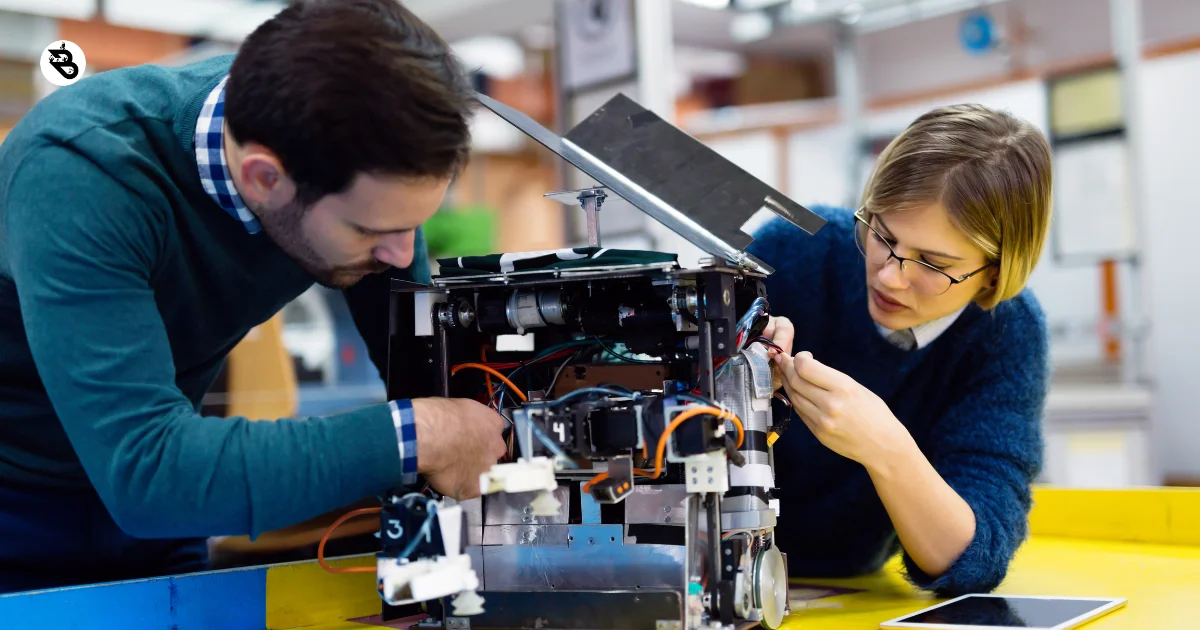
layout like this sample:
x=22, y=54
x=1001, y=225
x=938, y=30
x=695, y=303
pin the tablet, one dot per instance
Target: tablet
x=990, y=612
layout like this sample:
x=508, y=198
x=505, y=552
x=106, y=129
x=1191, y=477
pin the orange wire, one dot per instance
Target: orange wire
x=662, y=440
x=325, y=538
x=602, y=476
x=479, y=366
x=487, y=377
x=692, y=413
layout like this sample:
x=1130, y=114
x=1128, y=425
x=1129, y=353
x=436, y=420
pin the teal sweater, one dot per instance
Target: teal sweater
x=123, y=286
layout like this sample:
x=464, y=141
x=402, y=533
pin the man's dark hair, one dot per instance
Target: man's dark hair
x=341, y=87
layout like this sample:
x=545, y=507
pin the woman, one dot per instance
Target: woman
x=921, y=382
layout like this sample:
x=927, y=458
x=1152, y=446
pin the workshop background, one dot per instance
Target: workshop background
x=803, y=94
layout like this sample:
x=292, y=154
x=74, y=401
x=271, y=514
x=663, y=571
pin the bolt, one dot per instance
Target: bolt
x=725, y=297
x=666, y=508
x=528, y=509
x=710, y=469
x=728, y=551
x=720, y=346
x=431, y=360
x=693, y=469
x=528, y=519
x=710, y=480
x=667, y=520
x=720, y=329
x=695, y=481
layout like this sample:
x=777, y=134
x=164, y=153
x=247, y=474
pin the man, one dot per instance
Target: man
x=149, y=218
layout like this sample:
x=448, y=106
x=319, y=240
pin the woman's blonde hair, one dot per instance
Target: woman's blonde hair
x=992, y=173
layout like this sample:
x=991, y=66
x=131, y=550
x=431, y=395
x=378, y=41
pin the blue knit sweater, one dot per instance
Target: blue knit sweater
x=972, y=399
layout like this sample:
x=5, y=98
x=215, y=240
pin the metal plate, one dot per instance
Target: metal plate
x=513, y=509
x=583, y=567
x=663, y=505
x=578, y=610
x=541, y=535
x=596, y=535
x=668, y=175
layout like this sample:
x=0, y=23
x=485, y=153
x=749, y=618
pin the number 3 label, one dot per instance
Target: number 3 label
x=394, y=524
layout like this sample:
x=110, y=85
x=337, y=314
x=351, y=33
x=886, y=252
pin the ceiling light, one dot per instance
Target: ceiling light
x=716, y=5
x=754, y=5
x=749, y=27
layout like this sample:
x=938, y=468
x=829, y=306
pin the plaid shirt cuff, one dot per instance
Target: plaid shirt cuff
x=406, y=438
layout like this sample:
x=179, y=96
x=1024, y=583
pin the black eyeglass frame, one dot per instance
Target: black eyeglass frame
x=858, y=216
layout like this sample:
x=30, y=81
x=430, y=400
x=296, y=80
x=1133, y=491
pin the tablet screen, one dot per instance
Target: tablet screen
x=1007, y=612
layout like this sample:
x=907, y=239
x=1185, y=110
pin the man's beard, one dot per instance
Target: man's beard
x=284, y=227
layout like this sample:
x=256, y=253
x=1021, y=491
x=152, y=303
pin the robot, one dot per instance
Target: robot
x=637, y=490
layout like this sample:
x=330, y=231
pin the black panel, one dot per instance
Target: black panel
x=682, y=171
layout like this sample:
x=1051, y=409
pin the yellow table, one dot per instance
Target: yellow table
x=1161, y=582
x=1141, y=545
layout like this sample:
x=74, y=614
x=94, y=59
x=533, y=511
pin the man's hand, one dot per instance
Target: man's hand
x=846, y=417
x=457, y=440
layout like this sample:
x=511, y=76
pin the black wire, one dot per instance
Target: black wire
x=620, y=356
x=554, y=381
x=768, y=343
x=696, y=398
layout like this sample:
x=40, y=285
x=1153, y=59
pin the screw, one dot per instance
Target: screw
x=728, y=551
x=591, y=541
x=725, y=297
x=431, y=360
x=693, y=469
x=527, y=519
x=666, y=508
x=528, y=509
x=710, y=480
x=667, y=520
x=695, y=481
x=720, y=346
x=710, y=469
x=720, y=329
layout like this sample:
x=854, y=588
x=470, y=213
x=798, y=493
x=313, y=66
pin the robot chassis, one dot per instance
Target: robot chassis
x=637, y=488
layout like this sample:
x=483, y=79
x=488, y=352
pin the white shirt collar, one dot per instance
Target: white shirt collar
x=926, y=333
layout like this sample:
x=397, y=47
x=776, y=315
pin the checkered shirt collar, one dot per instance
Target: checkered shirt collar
x=210, y=159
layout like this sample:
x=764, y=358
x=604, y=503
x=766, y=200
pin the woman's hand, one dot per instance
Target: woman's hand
x=781, y=332
x=846, y=417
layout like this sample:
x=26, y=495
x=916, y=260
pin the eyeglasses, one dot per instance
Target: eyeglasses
x=921, y=276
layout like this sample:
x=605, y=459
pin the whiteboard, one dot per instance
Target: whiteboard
x=1093, y=210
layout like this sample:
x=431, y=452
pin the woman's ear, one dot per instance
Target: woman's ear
x=990, y=280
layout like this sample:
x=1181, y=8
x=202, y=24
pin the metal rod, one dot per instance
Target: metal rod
x=1126, y=20
x=714, y=552
x=591, y=208
x=443, y=359
x=705, y=379
x=849, y=95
